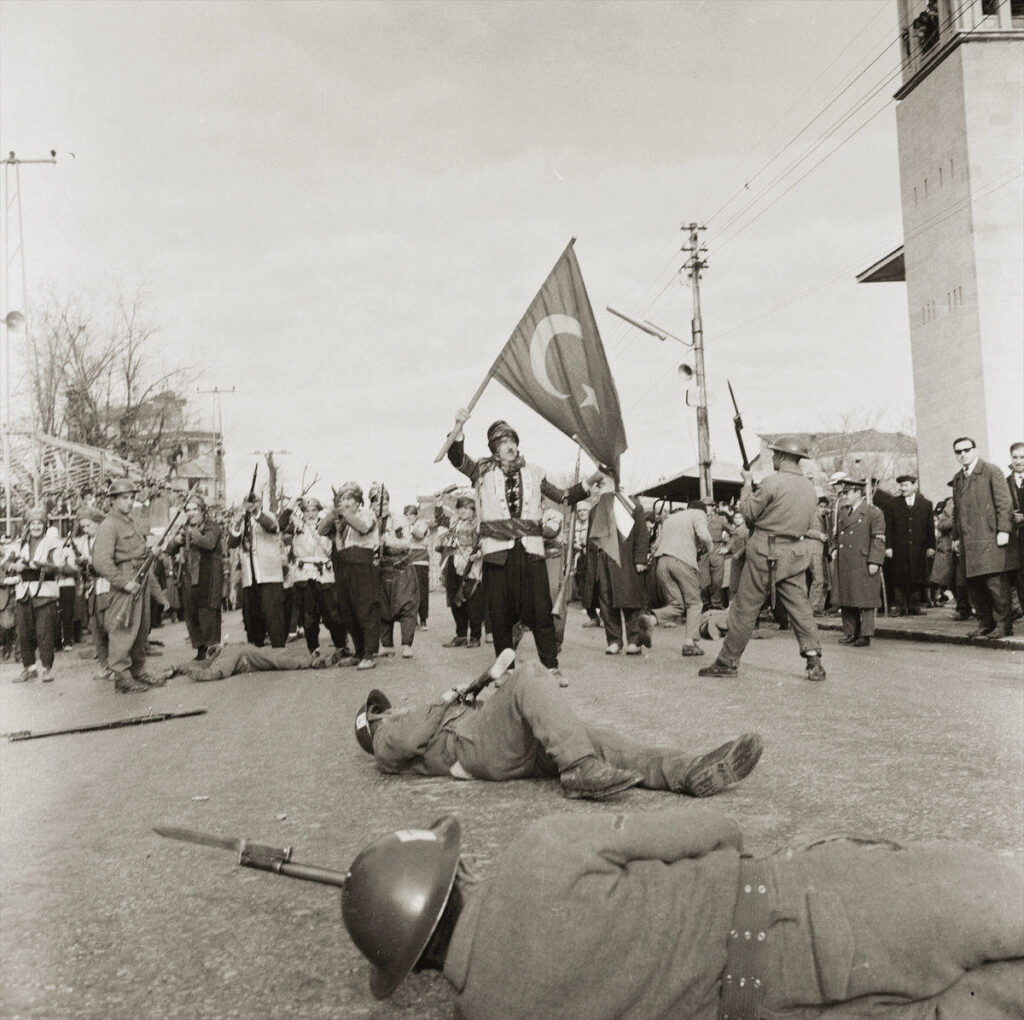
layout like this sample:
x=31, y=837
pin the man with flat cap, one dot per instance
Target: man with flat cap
x=660, y=914
x=118, y=552
x=859, y=552
x=909, y=545
x=782, y=510
x=509, y=504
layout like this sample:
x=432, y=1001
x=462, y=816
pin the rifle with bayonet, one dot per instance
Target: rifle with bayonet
x=123, y=617
x=737, y=422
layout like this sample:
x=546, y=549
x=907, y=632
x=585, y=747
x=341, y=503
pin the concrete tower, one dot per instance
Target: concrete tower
x=960, y=127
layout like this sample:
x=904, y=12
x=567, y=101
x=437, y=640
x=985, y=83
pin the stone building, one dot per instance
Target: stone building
x=960, y=127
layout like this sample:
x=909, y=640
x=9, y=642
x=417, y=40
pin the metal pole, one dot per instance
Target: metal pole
x=7, y=354
x=695, y=265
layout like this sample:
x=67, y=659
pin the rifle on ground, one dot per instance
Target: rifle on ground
x=737, y=422
x=258, y=855
x=135, y=720
x=123, y=617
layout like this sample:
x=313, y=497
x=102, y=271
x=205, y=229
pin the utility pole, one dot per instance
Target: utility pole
x=8, y=312
x=694, y=265
x=271, y=475
x=219, y=483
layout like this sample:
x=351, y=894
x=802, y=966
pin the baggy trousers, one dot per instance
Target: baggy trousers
x=263, y=613
x=790, y=590
x=358, y=586
x=528, y=729
x=202, y=622
x=36, y=627
x=517, y=592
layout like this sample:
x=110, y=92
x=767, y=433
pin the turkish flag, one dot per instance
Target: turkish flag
x=554, y=361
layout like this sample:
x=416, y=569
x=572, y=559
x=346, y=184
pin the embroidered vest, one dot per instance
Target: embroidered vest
x=498, y=530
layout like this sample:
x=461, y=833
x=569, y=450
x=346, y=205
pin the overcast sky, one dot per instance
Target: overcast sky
x=343, y=209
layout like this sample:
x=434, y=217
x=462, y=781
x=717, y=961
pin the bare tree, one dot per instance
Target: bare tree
x=97, y=378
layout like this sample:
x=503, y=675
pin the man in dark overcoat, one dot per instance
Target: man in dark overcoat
x=859, y=553
x=910, y=545
x=1015, y=483
x=982, y=525
x=616, y=564
x=659, y=914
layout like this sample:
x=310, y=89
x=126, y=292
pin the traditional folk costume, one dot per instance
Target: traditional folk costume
x=314, y=583
x=509, y=503
x=36, y=597
x=95, y=589
x=355, y=547
x=258, y=538
x=399, y=586
x=462, y=570
x=419, y=557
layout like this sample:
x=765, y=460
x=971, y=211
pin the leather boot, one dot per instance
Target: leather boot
x=592, y=778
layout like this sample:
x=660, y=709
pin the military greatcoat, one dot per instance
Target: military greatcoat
x=860, y=541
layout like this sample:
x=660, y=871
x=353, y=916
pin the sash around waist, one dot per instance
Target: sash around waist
x=514, y=527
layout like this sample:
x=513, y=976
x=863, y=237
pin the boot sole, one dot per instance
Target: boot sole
x=724, y=767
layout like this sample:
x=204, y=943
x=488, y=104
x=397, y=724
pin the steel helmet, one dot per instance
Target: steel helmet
x=792, y=445
x=394, y=895
x=376, y=704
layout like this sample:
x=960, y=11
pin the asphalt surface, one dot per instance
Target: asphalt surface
x=101, y=918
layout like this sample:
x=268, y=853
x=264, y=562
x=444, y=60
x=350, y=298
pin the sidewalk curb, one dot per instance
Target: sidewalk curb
x=1014, y=644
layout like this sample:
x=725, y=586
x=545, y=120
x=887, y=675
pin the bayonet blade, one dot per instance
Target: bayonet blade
x=202, y=838
x=735, y=406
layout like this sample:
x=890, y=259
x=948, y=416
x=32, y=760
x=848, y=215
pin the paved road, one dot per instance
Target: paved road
x=100, y=918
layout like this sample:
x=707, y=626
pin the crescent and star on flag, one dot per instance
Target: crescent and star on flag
x=547, y=329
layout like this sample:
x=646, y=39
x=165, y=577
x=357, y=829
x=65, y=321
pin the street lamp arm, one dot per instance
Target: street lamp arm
x=648, y=327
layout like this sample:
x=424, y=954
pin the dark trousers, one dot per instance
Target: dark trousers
x=518, y=592
x=202, y=622
x=908, y=596
x=610, y=614
x=359, y=602
x=858, y=622
x=263, y=614
x=318, y=604
x=990, y=599
x=70, y=629
x=37, y=627
x=423, y=579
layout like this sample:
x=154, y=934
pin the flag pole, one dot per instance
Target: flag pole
x=450, y=438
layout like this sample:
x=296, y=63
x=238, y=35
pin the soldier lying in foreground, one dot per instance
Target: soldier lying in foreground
x=648, y=915
x=528, y=729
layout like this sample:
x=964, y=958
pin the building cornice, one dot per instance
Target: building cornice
x=947, y=48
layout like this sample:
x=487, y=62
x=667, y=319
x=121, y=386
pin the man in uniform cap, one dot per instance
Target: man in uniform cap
x=509, y=503
x=859, y=551
x=910, y=545
x=606, y=915
x=119, y=551
x=528, y=729
x=779, y=514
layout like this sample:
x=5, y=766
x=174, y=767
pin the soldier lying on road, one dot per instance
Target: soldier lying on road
x=528, y=729
x=229, y=660
x=610, y=915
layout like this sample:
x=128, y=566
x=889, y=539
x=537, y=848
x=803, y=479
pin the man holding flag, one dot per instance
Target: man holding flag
x=509, y=501
x=554, y=362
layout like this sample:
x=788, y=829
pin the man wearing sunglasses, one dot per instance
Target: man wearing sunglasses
x=982, y=523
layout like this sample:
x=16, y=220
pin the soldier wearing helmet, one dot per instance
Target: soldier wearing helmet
x=779, y=513
x=118, y=552
x=527, y=729
x=509, y=502
x=660, y=914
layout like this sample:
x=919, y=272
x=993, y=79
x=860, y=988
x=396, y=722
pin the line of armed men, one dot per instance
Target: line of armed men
x=358, y=569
